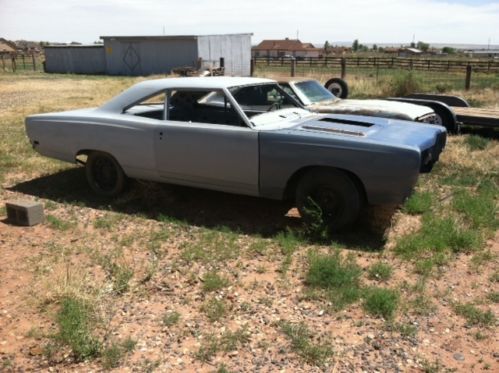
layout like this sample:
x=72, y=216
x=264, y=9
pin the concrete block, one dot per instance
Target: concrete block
x=26, y=213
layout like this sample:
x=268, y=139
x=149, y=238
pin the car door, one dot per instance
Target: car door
x=190, y=150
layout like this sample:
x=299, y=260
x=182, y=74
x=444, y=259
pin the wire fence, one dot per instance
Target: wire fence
x=21, y=62
x=434, y=74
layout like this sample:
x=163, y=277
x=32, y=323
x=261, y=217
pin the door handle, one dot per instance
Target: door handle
x=161, y=135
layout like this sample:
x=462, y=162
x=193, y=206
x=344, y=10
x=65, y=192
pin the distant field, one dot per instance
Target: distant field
x=170, y=278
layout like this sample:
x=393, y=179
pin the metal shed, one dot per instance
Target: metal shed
x=75, y=59
x=146, y=55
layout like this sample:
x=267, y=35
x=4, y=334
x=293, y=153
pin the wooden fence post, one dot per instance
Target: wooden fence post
x=343, y=67
x=34, y=61
x=13, y=62
x=24, y=61
x=293, y=66
x=467, y=83
x=3, y=62
x=252, y=67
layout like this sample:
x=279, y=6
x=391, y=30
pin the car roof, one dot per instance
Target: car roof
x=215, y=82
x=150, y=87
x=293, y=79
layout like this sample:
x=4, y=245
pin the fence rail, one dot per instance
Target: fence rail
x=487, y=66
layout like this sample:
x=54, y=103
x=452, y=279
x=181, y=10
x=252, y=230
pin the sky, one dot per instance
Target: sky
x=370, y=21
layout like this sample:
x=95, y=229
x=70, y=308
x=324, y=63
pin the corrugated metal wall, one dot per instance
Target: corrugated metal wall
x=235, y=49
x=146, y=57
x=75, y=60
x=140, y=55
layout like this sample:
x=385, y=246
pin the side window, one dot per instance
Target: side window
x=289, y=91
x=202, y=106
x=149, y=107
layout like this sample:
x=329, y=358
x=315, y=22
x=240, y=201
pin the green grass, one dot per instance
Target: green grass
x=381, y=302
x=338, y=277
x=171, y=318
x=228, y=341
x=212, y=281
x=380, y=271
x=475, y=142
x=438, y=235
x=214, y=309
x=474, y=316
x=75, y=321
x=479, y=208
x=418, y=203
x=405, y=330
x=58, y=224
x=301, y=343
x=493, y=297
x=121, y=276
x=107, y=221
x=422, y=305
x=213, y=246
x=288, y=242
x=113, y=354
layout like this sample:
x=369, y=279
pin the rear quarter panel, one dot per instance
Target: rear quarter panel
x=129, y=139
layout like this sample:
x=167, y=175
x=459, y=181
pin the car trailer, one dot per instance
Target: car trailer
x=461, y=109
x=453, y=111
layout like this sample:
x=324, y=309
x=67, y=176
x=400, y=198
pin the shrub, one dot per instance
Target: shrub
x=339, y=277
x=475, y=316
x=403, y=84
x=380, y=271
x=418, y=203
x=212, y=281
x=75, y=319
x=381, y=302
x=301, y=343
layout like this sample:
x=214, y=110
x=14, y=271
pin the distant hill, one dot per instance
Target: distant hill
x=434, y=45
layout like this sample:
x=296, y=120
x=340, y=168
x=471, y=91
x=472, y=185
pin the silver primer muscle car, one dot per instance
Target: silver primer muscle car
x=245, y=136
x=317, y=98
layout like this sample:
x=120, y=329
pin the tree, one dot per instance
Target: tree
x=448, y=50
x=413, y=45
x=327, y=48
x=375, y=47
x=355, y=45
x=423, y=46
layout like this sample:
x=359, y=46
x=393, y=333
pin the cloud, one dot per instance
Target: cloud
x=317, y=20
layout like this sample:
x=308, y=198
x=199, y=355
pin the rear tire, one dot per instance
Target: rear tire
x=336, y=195
x=104, y=174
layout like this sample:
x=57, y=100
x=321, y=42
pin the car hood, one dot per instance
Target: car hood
x=381, y=108
x=389, y=132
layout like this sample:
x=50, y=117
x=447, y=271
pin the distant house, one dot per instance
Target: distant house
x=483, y=53
x=409, y=52
x=7, y=47
x=285, y=48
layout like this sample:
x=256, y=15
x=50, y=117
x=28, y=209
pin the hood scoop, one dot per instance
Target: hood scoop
x=334, y=130
x=346, y=121
x=338, y=126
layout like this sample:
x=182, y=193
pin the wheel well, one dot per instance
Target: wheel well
x=289, y=192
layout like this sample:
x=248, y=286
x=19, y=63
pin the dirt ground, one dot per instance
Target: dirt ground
x=162, y=233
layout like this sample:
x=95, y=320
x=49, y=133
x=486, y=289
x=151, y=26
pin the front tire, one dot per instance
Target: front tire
x=331, y=195
x=104, y=174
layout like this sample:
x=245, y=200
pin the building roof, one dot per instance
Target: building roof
x=7, y=46
x=285, y=44
x=165, y=37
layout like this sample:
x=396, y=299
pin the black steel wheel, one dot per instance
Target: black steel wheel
x=104, y=174
x=330, y=195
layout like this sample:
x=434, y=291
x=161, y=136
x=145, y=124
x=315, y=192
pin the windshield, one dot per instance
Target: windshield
x=262, y=98
x=314, y=91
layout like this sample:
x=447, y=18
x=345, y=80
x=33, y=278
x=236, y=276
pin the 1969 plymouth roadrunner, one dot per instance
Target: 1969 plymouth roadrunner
x=245, y=136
